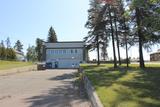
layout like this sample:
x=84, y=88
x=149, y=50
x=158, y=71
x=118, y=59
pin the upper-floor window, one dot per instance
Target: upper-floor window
x=71, y=51
x=64, y=51
x=76, y=51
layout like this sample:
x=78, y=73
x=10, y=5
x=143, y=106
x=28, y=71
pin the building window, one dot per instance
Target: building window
x=60, y=51
x=52, y=51
x=71, y=51
x=76, y=51
x=64, y=51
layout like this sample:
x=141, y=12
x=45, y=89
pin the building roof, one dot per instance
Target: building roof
x=65, y=44
x=68, y=42
x=18, y=52
x=158, y=52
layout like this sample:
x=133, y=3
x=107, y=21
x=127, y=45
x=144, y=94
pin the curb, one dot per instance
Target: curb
x=95, y=101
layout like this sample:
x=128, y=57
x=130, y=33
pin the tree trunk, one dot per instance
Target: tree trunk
x=141, y=62
x=126, y=42
x=112, y=33
x=127, y=59
x=117, y=38
x=98, y=56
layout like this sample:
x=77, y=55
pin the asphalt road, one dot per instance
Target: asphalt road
x=51, y=88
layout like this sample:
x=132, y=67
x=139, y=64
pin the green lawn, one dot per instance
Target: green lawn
x=121, y=87
x=12, y=64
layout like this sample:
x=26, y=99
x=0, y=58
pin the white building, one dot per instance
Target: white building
x=64, y=54
x=20, y=56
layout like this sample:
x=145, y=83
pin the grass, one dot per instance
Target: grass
x=12, y=64
x=121, y=87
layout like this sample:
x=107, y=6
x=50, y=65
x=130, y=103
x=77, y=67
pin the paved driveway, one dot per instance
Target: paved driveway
x=52, y=88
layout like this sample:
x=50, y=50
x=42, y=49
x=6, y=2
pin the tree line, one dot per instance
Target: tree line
x=7, y=52
x=34, y=53
x=125, y=23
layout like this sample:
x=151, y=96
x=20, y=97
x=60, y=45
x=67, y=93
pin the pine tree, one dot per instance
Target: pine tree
x=8, y=43
x=52, y=37
x=10, y=54
x=31, y=54
x=39, y=48
x=145, y=18
x=2, y=51
x=96, y=24
x=18, y=46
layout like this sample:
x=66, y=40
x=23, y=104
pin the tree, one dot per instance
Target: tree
x=18, y=46
x=7, y=53
x=145, y=18
x=104, y=52
x=31, y=54
x=122, y=29
x=2, y=51
x=52, y=37
x=10, y=54
x=96, y=24
x=8, y=43
x=112, y=35
x=39, y=48
x=117, y=36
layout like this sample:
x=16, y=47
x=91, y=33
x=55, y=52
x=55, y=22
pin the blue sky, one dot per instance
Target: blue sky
x=26, y=20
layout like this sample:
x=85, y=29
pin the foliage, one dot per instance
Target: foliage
x=8, y=43
x=52, y=37
x=7, y=53
x=97, y=36
x=39, y=48
x=136, y=22
x=145, y=20
x=18, y=46
x=31, y=54
x=2, y=51
x=10, y=54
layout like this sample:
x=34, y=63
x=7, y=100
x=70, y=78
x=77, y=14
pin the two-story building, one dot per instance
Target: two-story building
x=65, y=54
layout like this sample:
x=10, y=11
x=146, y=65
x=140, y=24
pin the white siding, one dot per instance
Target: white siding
x=66, y=54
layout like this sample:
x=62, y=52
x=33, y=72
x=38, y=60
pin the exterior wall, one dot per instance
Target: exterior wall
x=20, y=56
x=66, y=55
x=155, y=56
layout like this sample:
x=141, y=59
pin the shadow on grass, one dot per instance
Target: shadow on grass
x=91, y=66
x=104, y=77
x=147, y=83
x=143, y=89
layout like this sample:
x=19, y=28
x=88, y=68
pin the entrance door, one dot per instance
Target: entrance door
x=56, y=64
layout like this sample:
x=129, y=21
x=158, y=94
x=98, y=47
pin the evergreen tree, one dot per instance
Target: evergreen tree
x=39, y=48
x=2, y=51
x=18, y=46
x=8, y=43
x=10, y=54
x=96, y=24
x=146, y=21
x=31, y=54
x=52, y=37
